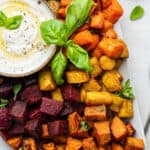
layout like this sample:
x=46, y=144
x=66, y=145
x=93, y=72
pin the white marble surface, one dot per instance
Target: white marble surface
x=137, y=36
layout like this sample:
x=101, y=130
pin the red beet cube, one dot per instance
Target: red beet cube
x=70, y=93
x=78, y=107
x=58, y=127
x=31, y=94
x=17, y=129
x=33, y=127
x=34, y=113
x=5, y=120
x=50, y=107
x=5, y=90
x=18, y=111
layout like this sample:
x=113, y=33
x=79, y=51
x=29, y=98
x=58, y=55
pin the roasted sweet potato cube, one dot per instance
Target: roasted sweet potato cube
x=50, y=107
x=58, y=127
x=96, y=52
x=46, y=81
x=113, y=12
x=116, y=146
x=111, y=80
x=60, y=147
x=44, y=130
x=126, y=110
x=5, y=120
x=49, y=146
x=125, y=53
x=98, y=98
x=70, y=93
x=97, y=20
x=95, y=112
x=77, y=76
x=106, y=3
x=118, y=128
x=110, y=33
x=29, y=144
x=18, y=111
x=92, y=85
x=112, y=48
x=57, y=95
x=15, y=142
x=83, y=37
x=107, y=25
x=33, y=127
x=73, y=144
x=31, y=94
x=96, y=69
x=89, y=144
x=131, y=130
x=65, y=3
x=102, y=132
x=134, y=144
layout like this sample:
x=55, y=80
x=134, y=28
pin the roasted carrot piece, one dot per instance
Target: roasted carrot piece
x=111, y=47
x=134, y=144
x=113, y=12
x=65, y=3
x=73, y=144
x=15, y=142
x=44, y=129
x=83, y=38
x=95, y=112
x=116, y=147
x=118, y=128
x=89, y=144
x=102, y=132
x=49, y=146
x=130, y=129
x=110, y=33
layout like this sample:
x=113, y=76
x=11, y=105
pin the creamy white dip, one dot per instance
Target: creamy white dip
x=22, y=50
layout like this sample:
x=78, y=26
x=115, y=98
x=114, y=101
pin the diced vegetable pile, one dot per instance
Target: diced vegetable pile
x=79, y=103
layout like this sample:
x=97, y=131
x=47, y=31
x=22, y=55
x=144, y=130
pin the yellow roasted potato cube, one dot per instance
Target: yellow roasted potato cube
x=126, y=110
x=15, y=142
x=83, y=93
x=96, y=69
x=125, y=52
x=111, y=80
x=49, y=146
x=116, y=104
x=46, y=82
x=77, y=76
x=98, y=98
x=92, y=85
x=107, y=63
x=57, y=95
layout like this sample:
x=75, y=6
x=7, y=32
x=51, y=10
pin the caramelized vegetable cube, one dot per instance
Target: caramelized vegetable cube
x=125, y=53
x=107, y=63
x=112, y=48
x=46, y=81
x=134, y=144
x=98, y=98
x=118, y=128
x=60, y=147
x=95, y=112
x=34, y=113
x=97, y=20
x=117, y=147
x=96, y=69
x=110, y=33
x=107, y=25
x=15, y=142
x=29, y=144
x=50, y=107
x=126, y=110
x=102, y=132
x=45, y=132
x=83, y=93
x=73, y=144
x=65, y=3
x=89, y=144
x=130, y=129
x=77, y=76
x=62, y=11
x=49, y=146
x=111, y=80
x=113, y=12
x=97, y=52
x=57, y=95
x=106, y=3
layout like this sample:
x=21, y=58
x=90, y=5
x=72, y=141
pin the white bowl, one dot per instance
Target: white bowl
x=16, y=66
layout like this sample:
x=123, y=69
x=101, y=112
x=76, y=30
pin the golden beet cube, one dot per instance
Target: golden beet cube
x=57, y=95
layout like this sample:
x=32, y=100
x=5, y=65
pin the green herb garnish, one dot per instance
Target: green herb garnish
x=137, y=13
x=16, y=89
x=83, y=126
x=57, y=32
x=3, y=102
x=126, y=91
x=10, y=23
x=21, y=148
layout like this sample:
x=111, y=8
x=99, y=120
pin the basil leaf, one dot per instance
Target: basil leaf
x=83, y=126
x=13, y=22
x=3, y=105
x=3, y=19
x=78, y=56
x=58, y=66
x=137, y=13
x=53, y=32
x=4, y=101
x=16, y=89
x=77, y=14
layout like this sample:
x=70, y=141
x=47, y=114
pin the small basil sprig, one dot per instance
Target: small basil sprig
x=57, y=32
x=83, y=126
x=3, y=102
x=10, y=23
x=16, y=89
x=126, y=91
x=137, y=13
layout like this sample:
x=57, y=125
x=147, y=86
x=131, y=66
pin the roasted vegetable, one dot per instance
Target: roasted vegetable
x=57, y=95
x=131, y=130
x=60, y=147
x=29, y=144
x=44, y=130
x=117, y=146
x=89, y=144
x=15, y=142
x=49, y=146
x=65, y=3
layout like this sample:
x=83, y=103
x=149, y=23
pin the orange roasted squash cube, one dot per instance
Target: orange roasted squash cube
x=15, y=142
x=29, y=144
x=44, y=129
x=102, y=132
x=131, y=130
x=89, y=144
x=116, y=146
x=49, y=146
